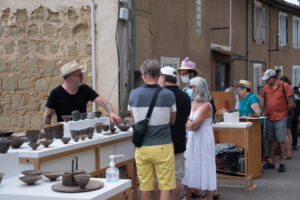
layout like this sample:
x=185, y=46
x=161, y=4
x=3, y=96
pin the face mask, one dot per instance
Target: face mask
x=189, y=92
x=185, y=79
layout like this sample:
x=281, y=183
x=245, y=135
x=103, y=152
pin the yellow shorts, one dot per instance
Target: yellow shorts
x=159, y=160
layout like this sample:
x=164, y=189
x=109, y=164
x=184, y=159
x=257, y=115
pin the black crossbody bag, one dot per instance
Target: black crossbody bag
x=140, y=128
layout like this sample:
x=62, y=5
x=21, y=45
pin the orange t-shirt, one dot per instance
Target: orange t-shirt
x=276, y=107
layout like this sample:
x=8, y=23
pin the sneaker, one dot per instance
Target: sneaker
x=281, y=168
x=268, y=166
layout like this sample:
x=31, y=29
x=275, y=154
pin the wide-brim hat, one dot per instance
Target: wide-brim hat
x=187, y=64
x=70, y=67
x=244, y=84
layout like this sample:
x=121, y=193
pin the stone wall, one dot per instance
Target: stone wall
x=33, y=46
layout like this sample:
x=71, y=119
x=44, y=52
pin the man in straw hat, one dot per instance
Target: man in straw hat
x=72, y=95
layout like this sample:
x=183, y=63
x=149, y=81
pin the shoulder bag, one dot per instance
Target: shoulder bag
x=140, y=128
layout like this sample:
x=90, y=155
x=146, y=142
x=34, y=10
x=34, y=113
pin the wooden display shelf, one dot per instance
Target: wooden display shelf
x=238, y=134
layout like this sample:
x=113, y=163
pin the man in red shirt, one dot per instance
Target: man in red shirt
x=276, y=101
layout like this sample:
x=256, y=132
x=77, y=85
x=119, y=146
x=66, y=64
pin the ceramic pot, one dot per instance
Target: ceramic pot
x=75, y=136
x=34, y=146
x=1, y=176
x=75, y=115
x=105, y=127
x=123, y=127
x=30, y=180
x=83, y=116
x=6, y=133
x=33, y=135
x=52, y=176
x=58, y=131
x=16, y=142
x=46, y=143
x=98, y=114
x=32, y=172
x=4, y=145
x=49, y=132
x=90, y=115
x=82, y=137
x=66, y=118
x=99, y=127
x=90, y=132
x=65, y=140
x=82, y=180
x=68, y=177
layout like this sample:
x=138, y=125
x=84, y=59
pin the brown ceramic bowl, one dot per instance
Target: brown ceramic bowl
x=4, y=145
x=99, y=127
x=6, y=133
x=16, y=142
x=105, y=127
x=98, y=114
x=82, y=180
x=65, y=140
x=82, y=137
x=83, y=116
x=58, y=130
x=32, y=172
x=66, y=118
x=30, y=180
x=46, y=143
x=33, y=135
x=75, y=136
x=49, y=132
x=34, y=146
x=52, y=176
x=123, y=127
x=1, y=176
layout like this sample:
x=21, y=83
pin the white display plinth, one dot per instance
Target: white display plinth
x=230, y=125
x=9, y=164
x=14, y=189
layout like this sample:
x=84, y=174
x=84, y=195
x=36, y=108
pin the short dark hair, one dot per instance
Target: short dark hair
x=247, y=89
x=66, y=76
x=170, y=79
x=190, y=71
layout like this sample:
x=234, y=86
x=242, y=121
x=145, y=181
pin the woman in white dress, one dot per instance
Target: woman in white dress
x=200, y=165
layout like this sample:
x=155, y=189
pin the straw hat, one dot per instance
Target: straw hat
x=245, y=84
x=187, y=64
x=70, y=67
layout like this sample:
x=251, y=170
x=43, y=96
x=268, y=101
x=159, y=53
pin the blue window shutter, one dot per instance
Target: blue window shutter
x=282, y=22
x=254, y=22
x=287, y=30
x=263, y=24
x=295, y=33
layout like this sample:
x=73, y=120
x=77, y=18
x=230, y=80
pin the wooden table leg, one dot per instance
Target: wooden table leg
x=132, y=174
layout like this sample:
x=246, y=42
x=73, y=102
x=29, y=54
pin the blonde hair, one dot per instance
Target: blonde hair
x=202, y=89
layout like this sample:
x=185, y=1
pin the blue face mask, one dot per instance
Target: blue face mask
x=189, y=92
x=185, y=79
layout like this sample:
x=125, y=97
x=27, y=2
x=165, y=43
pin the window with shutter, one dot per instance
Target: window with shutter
x=296, y=71
x=198, y=17
x=263, y=24
x=257, y=69
x=254, y=22
x=296, y=32
x=259, y=24
x=283, y=29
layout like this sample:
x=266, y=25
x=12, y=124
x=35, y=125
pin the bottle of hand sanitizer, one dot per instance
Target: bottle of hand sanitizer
x=112, y=173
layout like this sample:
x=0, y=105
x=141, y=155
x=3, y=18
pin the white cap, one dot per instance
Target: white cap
x=168, y=71
x=268, y=74
x=70, y=67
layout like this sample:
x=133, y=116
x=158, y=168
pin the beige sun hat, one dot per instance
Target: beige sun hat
x=70, y=67
x=187, y=64
x=245, y=84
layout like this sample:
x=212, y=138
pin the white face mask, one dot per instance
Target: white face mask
x=185, y=79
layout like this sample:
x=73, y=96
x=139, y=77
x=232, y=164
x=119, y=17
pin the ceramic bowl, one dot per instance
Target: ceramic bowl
x=66, y=118
x=82, y=180
x=32, y=172
x=83, y=116
x=6, y=133
x=16, y=142
x=52, y=176
x=123, y=127
x=33, y=135
x=1, y=176
x=75, y=136
x=75, y=115
x=49, y=132
x=90, y=132
x=90, y=115
x=4, y=145
x=30, y=180
x=34, y=146
x=82, y=137
x=98, y=114
x=105, y=127
x=65, y=140
x=58, y=130
x=46, y=143
x=113, y=130
x=99, y=127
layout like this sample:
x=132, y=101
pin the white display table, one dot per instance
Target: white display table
x=14, y=189
x=9, y=164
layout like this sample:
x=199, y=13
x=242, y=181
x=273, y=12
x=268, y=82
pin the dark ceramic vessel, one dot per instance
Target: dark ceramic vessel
x=49, y=132
x=68, y=177
x=75, y=115
x=83, y=116
x=32, y=172
x=82, y=180
x=105, y=127
x=33, y=135
x=65, y=140
x=52, y=176
x=34, y=146
x=58, y=131
x=16, y=142
x=75, y=136
x=123, y=127
x=4, y=145
x=98, y=114
x=66, y=118
x=99, y=127
x=46, y=142
x=82, y=137
x=6, y=133
x=90, y=132
x=30, y=180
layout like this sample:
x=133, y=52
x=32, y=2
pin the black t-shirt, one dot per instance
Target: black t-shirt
x=64, y=103
x=178, y=130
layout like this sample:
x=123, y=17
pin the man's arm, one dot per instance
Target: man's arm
x=291, y=103
x=255, y=107
x=107, y=106
x=173, y=117
x=47, y=115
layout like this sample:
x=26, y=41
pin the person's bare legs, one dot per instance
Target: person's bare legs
x=165, y=195
x=209, y=195
x=146, y=195
x=175, y=192
x=282, y=152
x=187, y=192
x=289, y=141
x=156, y=192
x=272, y=145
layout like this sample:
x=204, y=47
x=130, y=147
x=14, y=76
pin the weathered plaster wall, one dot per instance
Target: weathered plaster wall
x=36, y=38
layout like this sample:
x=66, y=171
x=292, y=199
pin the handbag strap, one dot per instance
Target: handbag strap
x=153, y=101
x=284, y=93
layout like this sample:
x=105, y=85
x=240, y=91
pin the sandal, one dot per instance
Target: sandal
x=216, y=196
x=288, y=157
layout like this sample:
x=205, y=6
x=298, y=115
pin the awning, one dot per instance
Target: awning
x=228, y=53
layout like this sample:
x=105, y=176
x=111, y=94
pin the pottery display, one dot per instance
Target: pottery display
x=34, y=146
x=58, y=130
x=30, y=180
x=75, y=115
x=82, y=180
x=65, y=140
x=98, y=114
x=53, y=175
x=105, y=127
x=83, y=116
x=32, y=172
x=49, y=132
x=16, y=142
x=6, y=133
x=66, y=118
x=68, y=176
x=123, y=127
x=46, y=142
x=33, y=135
x=90, y=132
x=1, y=176
x=4, y=145
x=99, y=127
x=75, y=136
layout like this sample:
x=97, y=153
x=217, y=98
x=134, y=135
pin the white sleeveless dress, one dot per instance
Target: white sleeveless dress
x=200, y=164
